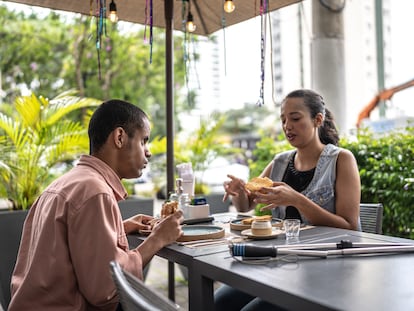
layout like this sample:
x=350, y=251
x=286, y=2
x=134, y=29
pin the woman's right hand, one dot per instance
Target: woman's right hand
x=234, y=186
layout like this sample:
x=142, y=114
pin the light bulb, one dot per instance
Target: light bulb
x=191, y=27
x=229, y=6
x=113, y=16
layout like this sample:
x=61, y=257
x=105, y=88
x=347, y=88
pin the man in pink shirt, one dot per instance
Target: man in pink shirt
x=74, y=229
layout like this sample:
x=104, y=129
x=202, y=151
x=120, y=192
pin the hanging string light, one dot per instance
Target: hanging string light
x=229, y=6
x=113, y=15
x=190, y=26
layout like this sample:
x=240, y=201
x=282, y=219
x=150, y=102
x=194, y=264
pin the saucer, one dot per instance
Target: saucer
x=250, y=235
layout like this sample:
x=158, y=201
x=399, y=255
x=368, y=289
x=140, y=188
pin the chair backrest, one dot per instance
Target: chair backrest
x=11, y=226
x=371, y=217
x=135, y=295
x=136, y=205
x=215, y=200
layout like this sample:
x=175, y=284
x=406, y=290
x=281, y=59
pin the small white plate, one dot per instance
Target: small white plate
x=250, y=235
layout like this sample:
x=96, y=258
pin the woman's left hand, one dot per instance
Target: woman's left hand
x=280, y=194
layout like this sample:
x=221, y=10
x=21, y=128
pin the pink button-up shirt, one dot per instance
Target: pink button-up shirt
x=71, y=233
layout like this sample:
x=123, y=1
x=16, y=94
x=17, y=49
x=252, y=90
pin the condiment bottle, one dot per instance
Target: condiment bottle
x=182, y=198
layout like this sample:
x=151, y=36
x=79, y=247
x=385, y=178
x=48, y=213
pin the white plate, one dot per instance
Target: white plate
x=250, y=235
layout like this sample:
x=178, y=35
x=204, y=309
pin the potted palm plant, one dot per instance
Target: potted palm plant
x=38, y=136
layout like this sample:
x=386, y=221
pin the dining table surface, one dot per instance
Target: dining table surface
x=370, y=281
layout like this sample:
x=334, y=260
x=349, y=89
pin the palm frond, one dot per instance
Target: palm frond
x=61, y=107
x=14, y=130
x=29, y=110
x=36, y=136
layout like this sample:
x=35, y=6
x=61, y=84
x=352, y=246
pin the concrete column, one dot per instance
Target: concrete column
x=328, y=57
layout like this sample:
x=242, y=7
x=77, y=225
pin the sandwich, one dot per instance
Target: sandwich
x=257, y=183
x=169, y=208
x=249, y=220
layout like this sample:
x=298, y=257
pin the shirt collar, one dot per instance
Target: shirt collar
x=107, y=173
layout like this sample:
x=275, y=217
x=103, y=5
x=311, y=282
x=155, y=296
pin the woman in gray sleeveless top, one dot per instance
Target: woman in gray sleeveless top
x=316, y=182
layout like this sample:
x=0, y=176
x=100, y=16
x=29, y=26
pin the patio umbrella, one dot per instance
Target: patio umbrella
x=207, y=14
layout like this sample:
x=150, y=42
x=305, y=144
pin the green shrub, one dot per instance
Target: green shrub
x=266, y=148
x=386, y=162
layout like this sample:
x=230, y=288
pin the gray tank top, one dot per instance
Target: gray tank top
x=321, y=189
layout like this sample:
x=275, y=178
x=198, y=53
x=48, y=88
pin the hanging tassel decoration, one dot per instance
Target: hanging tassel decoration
x=149, y=20
x=186, y=47
x=100, y=30
x=91, y=8
x=185, y=41
x=263, y=16
x=223, y=27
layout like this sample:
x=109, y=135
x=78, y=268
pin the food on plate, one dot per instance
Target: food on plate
x=257, y=183
x=248, y=221
x=261, y=227
x=169, y=208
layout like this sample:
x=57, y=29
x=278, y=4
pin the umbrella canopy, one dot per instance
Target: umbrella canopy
x=208, y=15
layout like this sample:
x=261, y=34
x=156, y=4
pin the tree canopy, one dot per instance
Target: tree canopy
x=52, y=53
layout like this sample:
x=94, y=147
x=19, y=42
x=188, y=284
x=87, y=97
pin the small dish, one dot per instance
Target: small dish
x=200, y=232
x=195, y=232
x=237, y=224
x=250, y=235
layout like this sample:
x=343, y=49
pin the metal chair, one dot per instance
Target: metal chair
x=215, y=200
x=135, y=295
x=371, y=217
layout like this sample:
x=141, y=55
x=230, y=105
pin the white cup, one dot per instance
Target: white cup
x=261, y=227
x=292, y=228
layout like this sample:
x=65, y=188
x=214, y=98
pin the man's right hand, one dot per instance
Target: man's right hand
x=168, y=230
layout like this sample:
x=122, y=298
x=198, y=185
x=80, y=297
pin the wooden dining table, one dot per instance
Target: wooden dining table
x=373, y=281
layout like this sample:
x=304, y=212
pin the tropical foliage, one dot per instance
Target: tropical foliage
x=199, y=148
x=51, y=53
x=386, y=167
x=36, y=137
